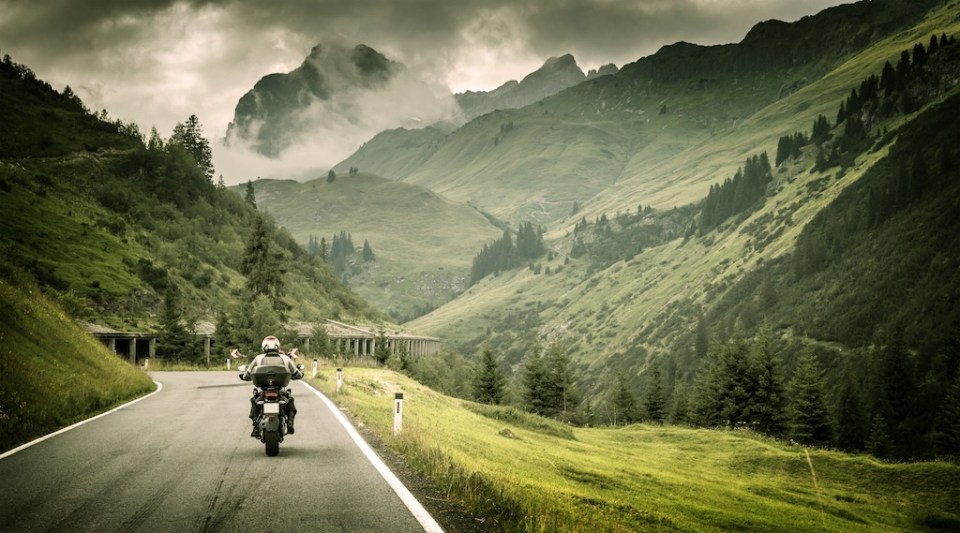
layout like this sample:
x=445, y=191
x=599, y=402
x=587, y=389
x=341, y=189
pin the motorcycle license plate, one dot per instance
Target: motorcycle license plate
x=271, y=408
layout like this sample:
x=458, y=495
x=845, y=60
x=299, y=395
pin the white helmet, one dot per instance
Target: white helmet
x=270, y=344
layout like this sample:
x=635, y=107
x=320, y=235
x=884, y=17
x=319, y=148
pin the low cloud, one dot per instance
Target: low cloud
x=326, y=129
x=156, y=62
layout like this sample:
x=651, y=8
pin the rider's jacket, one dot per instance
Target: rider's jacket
x=258, y=360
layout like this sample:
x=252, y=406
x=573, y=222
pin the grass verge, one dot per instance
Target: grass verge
x=523, y=473
x=52, y=372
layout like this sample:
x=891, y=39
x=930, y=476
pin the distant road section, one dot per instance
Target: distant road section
x=183, y=460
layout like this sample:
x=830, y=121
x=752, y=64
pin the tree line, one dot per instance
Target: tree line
x=742, y=385
x=736, y=194
x=503, y=254
x=903, y=89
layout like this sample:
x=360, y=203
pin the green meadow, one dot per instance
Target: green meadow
x=520, y=472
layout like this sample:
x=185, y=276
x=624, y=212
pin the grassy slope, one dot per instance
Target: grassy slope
x=687, y=177
x=527, y=473
x=645, y=135
x=53, y=373
x=423, y=243
x=652, y=300
x=393, y=154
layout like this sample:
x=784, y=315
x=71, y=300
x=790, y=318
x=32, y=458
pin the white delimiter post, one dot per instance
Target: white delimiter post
x=228, y=364
x=314, y=368
x=398, y=414
x=339, y=379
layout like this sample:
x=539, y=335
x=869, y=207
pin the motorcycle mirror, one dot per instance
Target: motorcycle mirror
x=242, y=368
x=299, y=367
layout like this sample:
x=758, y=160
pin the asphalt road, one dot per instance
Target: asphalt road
x=183, y=460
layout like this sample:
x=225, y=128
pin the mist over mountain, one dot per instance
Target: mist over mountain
x=299, y=124
x=338, y=98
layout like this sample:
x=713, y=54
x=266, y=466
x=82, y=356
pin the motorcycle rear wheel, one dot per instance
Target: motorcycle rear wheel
x=271, y=441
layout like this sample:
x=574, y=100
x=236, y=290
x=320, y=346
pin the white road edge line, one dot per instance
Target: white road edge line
x=78, y=424
x=421, y=514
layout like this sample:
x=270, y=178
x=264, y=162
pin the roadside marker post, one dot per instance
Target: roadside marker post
x=314, y=368
x=339, y=379
x=398, y=414
x=228, y=364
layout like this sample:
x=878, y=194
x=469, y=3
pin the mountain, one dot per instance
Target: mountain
x=268, y=116
x=623, y=134
x=397, y=153
x=556, y=74
x=338, y=98
x=334, y=101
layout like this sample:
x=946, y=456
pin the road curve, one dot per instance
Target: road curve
x=183, y=460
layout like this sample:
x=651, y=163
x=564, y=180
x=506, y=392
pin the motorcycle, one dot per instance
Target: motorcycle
x=271, y=378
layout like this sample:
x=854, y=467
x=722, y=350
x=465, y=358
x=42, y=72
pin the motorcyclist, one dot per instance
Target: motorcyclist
x=271, y=347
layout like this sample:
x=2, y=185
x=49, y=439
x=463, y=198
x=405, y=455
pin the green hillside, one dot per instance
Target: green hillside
x=422, y=242
x=625, y=303
x=113, y=227
x=394, y=154
x=519, y=472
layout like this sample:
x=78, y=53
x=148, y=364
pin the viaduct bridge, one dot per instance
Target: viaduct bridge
x=346, y=340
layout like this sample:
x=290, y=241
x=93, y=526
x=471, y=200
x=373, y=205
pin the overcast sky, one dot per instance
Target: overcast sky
x=156, y=62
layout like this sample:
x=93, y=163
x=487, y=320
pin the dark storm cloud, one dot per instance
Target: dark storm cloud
x=155, y=62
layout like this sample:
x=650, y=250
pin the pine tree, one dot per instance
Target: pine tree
x=726, y=388
x=320, y=344
x=933, y=46
x=879, y=444
x=176, y=341
x=681, y=406
x=331, y=176
x=261, y=319
x=947, y=428
x=382, y=350
x=155, y=142
x=190, y=137
x=810, y=420
x=821, y=130
x=655, y=401
x=624, y=403
x=852, y=422
x=896, y=389
x=534, y=382
x=769, y=411
x=323, y=250
x=701, y=343
x=559, y=384
x=251, y=196
x=919, y=55
x=489, y=383
x=367, y=251
x=262, y=266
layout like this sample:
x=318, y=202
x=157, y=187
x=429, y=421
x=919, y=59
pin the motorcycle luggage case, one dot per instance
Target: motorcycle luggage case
x=271, y=373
